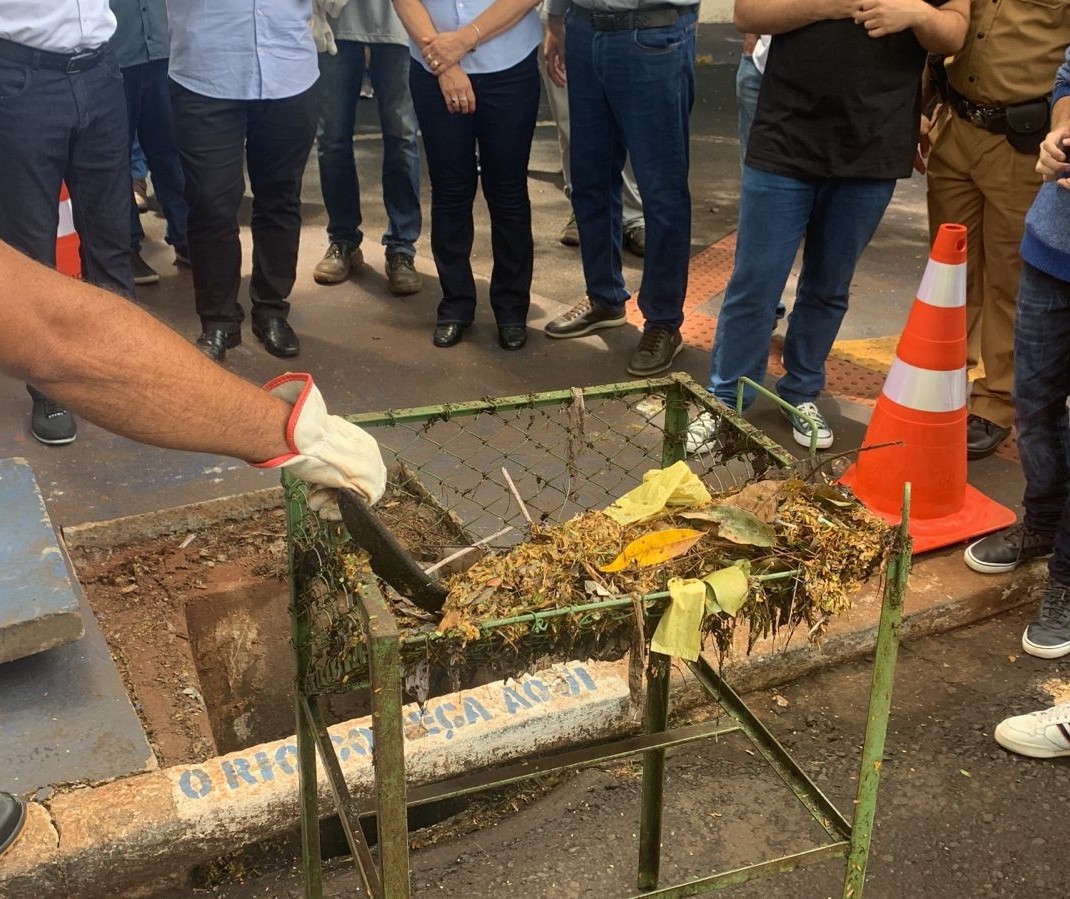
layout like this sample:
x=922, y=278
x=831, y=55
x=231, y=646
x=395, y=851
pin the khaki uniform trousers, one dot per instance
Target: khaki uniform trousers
x=977, y=179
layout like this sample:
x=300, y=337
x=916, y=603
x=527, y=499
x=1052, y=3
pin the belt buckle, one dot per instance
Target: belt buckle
x=977, y=117
x=74, y=63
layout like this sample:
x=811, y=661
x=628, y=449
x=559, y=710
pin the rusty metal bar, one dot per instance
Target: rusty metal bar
x=655, y=719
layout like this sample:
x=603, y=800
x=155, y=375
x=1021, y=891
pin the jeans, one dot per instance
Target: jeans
x=748, y=84
x=341, y=77
x=139, y=166
x=490, y=146
x=1041, y=390
x=838, y=217
x=630, y=94
x=273, y=138
x=56, y=127
x=148, y=107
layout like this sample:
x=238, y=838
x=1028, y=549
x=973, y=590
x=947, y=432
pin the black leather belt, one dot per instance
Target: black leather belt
x=647, y=17
x=990, y=118
x=43, y=59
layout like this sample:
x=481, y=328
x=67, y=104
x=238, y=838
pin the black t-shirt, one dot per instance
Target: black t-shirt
x=836, y=103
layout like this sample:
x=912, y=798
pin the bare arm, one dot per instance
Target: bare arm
x=938, y=29
x=103, y=357
x=780, y=16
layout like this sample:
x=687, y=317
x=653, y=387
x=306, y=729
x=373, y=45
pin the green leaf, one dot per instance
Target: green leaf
x=741, y=527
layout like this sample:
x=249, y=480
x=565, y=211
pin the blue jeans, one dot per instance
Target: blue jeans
x=56, y=127
x=148, y=108
x=838, y=217
x=1041, y=389
x=339, y=86
x=630, y=93
x=496, y=137
x=748, y=84
x=139, y=166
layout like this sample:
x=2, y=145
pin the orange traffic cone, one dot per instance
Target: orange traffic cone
x=923, y=409
x=68, y=259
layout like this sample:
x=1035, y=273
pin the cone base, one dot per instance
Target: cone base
x=979, y=515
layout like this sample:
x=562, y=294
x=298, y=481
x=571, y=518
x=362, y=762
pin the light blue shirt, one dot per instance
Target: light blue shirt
x=494, y=55
x=243, y=49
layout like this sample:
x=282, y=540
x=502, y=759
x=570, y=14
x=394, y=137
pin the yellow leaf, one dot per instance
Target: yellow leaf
x=653, y=549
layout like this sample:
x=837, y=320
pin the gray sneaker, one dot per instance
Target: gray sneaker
x=1005, y=550
x=583, y=318
x=657, y=348
x=1048, y=634
x=336, y=264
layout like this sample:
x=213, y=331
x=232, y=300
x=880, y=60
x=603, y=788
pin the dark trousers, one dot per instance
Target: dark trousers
x=500, y=132
x=273, y=138
x=148, y=109
x=56, y=127
x=1041, y=391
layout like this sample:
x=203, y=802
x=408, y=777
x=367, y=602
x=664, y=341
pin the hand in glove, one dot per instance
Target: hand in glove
x=327, y=451
x=321, y=32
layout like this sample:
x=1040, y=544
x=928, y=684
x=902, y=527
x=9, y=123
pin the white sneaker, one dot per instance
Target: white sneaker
x=701, y=434
x=800, y=427
x=1040, y=735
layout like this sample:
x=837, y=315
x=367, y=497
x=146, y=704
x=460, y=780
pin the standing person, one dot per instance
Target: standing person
x=475, y=85
x=121, y=368
x=631, y=85
x=63, y=119
x=634, y=238
x=836, y=125
x=984, y=142
x=369, y=27
x=141, y=45
x=1041, y=393
x=242, y=90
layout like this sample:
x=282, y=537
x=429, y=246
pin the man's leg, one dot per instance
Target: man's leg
x=211, y=141
x=156, y=131
x=845, y=216
x=277, y=146
x=339, y=87
x=1042, y=387
x=401, y=165
x=764, y=257
x=508, y=104
x=596, y=160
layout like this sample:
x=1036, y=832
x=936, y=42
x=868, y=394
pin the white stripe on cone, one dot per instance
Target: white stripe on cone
x=66, y=220
x=943, y=285
x=925, y=390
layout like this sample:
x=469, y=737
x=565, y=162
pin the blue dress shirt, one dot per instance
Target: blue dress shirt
x=243, y=49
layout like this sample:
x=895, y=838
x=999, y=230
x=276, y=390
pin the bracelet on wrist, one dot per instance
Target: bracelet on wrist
x=479, y=36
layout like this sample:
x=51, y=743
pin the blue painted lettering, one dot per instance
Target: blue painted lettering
x=585, y=678
x=237, y=771
x=513, y=701
x=196, y=784
x=283, y=762
x=536, y=690
x=264, y=762
x=473, y=710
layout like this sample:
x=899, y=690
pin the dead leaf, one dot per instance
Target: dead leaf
x=742, y=527
x=653, y=549
x=761, y=499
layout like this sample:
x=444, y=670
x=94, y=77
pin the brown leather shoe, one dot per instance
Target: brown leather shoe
x=402, y=278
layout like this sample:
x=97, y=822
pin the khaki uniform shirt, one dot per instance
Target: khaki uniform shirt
x=1013, y=50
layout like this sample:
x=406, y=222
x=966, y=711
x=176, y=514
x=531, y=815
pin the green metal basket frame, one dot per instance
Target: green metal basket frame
x=379, y=663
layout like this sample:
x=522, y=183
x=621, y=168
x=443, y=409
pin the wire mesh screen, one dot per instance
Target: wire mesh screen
x=474, y=473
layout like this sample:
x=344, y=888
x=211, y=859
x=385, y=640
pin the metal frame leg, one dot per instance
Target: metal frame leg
x=655, y=719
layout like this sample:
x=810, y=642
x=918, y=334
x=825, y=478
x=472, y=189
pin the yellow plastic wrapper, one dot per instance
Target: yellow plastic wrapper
x=678, y=633
x=676, y=485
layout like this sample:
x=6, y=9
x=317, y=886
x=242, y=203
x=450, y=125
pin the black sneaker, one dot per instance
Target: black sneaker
x=583, y=318
x=1048, y=634
x=657, y=348
x=49, y=423
x=143, y=272
x=1005, y=550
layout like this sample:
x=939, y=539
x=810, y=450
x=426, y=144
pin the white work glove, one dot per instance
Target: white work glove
x=321, y=31
x=326, y=450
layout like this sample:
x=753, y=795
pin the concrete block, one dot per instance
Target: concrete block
x=39, y=593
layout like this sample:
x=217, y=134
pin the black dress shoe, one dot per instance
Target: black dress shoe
x=12, y=817
x=277, y=337
x=214, y=342
x=512, y=337
x=448, y=335
x=983, y=437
